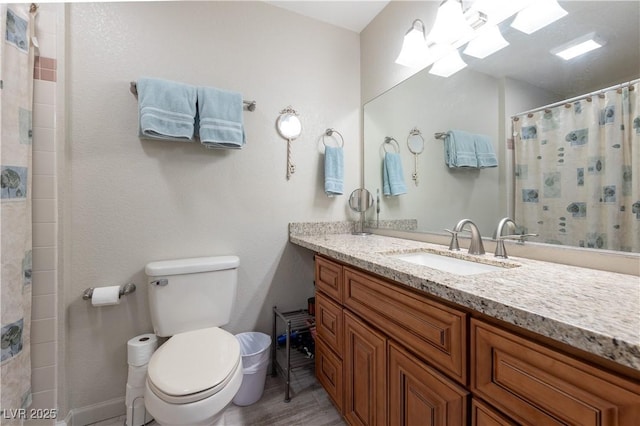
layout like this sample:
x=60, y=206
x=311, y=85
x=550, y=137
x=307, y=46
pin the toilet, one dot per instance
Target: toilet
x=196, y=373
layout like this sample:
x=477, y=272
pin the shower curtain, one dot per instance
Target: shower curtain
x=16, y=76
x=577, y=170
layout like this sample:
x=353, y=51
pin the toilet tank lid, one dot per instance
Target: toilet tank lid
x=191, y=265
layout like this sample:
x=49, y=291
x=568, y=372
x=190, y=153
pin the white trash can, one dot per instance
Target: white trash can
x=254, y=347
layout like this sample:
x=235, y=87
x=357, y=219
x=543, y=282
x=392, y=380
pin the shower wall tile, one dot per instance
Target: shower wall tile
x=44, y=315
x=43, y=354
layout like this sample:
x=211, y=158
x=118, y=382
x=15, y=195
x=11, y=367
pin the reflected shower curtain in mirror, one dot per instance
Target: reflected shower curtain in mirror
x=16, y=76
x=577, y=171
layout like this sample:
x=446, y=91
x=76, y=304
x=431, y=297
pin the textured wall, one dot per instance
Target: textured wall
x=131, y=201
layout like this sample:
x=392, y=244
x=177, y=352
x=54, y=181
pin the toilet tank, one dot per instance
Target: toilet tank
x=190, y=294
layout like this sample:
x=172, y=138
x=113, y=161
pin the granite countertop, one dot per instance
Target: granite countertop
x=596, y=311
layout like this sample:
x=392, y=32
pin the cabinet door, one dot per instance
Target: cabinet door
x=329, y=373
x=329, y=322
x=329, y=278
x=535, y=385
x=484, y=415
x=419, y=395
x=364, y=373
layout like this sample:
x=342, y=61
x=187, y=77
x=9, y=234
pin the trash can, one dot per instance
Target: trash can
x=254, y=347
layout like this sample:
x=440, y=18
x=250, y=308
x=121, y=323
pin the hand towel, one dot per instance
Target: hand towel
x=484, y=152
x=167, y=109
x=459, y=149
x=392, y=175
x=220, y=118
x=333, y=170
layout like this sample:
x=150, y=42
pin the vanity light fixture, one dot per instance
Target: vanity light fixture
x=448, y=65
x=488, y=41
x=578, y=46
x=415, y=51
x=450, y=24
x=538, y=15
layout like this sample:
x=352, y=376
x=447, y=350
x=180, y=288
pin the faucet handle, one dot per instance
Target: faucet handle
x=453, y=245
x=520, y=237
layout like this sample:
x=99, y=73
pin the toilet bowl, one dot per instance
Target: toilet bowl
x=193, y=376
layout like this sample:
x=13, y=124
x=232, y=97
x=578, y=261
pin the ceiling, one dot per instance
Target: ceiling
x=352, y=15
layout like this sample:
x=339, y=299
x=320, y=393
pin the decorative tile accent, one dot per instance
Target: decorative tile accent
x=592, y=310
x=45, y=69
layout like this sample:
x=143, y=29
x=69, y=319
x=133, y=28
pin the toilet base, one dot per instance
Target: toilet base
x=200, y=413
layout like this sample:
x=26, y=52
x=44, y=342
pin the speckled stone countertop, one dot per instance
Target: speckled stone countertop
x=596, y=311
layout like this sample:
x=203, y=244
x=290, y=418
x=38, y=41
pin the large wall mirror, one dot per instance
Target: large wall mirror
x=482, y=98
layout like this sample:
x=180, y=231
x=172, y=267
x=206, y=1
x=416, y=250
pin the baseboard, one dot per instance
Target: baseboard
x=66, y=421
x=97, y=412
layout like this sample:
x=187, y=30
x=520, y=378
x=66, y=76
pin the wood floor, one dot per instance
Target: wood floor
x=309, y=405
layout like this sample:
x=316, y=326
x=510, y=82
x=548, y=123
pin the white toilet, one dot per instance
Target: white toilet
x=195, y=374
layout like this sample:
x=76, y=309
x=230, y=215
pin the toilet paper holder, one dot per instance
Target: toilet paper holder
x=124, y=290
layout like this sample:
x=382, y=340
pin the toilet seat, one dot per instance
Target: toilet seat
x=194, y=365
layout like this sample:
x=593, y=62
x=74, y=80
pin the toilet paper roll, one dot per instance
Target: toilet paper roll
x=103, y=296
x=137, y=376
x=140, y=349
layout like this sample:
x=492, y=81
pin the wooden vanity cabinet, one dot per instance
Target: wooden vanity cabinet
x=536, y=385
x=383, y=381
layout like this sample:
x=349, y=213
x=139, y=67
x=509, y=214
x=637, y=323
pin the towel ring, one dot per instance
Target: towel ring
x=330, y=132
x=389, y=140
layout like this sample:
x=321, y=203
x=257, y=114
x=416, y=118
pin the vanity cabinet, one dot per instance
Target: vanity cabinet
x=536, y=385
x=360, y=320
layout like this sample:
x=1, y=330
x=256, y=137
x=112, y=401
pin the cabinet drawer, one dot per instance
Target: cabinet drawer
x=329, y=278
x=329, y=322
x=433, y=331
x=329, y=373
x=420, y=395
x=535, y=385
x=484, y=415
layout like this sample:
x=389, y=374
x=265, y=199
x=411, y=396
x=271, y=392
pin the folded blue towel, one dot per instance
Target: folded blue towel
x=333, y=170
x=167, y=109
x=484, y=152
x=459, y=149
x=220, y=118
x=392, y=175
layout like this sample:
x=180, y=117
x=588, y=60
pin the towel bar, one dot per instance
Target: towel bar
x=441, y=135
x=248, y=105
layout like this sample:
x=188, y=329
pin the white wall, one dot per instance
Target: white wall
x=130, y=202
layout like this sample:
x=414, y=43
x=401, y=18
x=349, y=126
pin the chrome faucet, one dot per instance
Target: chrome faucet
x=501, y=250
x=476, y=246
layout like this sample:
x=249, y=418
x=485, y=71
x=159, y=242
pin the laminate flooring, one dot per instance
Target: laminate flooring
x=309, y=405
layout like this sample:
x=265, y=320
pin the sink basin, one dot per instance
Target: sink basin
x=449, y=264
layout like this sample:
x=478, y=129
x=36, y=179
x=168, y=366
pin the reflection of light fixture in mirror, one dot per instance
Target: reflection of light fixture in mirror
x=415, y=52
x=488, y=41
x=538, y=15
x=448, y=65
x=578, y=46
x=450, y=24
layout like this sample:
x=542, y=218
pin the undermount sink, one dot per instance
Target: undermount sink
x=449, y=264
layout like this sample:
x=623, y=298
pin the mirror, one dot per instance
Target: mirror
x=482, y=98
x=360, y=201
x=289, y=127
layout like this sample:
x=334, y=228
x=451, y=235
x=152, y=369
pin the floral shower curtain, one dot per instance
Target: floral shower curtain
x=578, y=171
x=16, y=85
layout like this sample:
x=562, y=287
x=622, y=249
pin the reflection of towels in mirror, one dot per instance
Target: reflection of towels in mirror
x=333, y=171
x=464, y=149
x=392, y=175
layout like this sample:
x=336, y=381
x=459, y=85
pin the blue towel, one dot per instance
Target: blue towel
x=333, y=170
x=392, y=175
x=220, y=118
x=459, y=149
x=167, y=109
x=484, y=152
